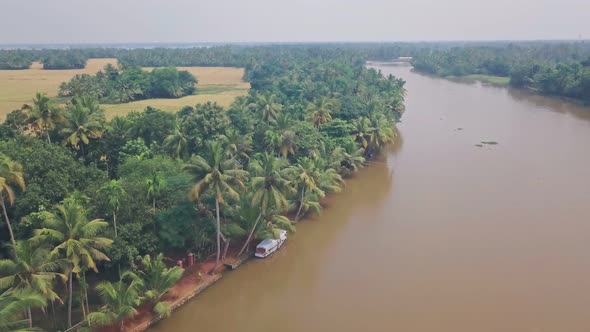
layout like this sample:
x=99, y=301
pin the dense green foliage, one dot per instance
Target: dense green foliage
x=560, y=69
x=570, y=80
x=103, y=194
x=122, y=85
x=15, y=59
x=63, y=59
x=227, y=56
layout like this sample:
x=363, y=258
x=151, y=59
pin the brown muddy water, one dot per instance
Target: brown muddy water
x=442, y=236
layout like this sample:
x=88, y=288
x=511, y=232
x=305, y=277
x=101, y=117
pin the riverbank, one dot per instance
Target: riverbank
x=191, y=285
x=196, y=280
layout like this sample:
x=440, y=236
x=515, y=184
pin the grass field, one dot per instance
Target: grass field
x=18, y=87
x=495, y=80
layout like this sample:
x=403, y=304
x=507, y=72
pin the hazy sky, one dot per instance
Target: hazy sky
x=92, y=21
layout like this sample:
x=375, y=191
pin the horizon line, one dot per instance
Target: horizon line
x=291, y=42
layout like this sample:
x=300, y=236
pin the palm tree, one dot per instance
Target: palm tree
x=32, y=268
x=394, y=102
x=272, y=139
x=44, y=114
x=154, y=187
x=77, y=241
x=238, y=145
x=283, y=122
x=383, y=132
x=241, y=114
x=288, y=143
x=330, y=181
x=270, y=182
x=83, y=122
x=321, y=110
x=120, y=300
x=11, y=174
x=157, y=281
x=284, y=143
x=314, y=178
x=114, y=192
x=372, y=105
x=119, y=126
x=347, y=158
x=247, y=215
x=309, y=202
x=280, y=137
x=13, y=302
x=306, y=177
x=176, y=143
x=267, y=106
x=273, y=222
x=90, y=103
x=270, y=185
x=219, y=175
x=361, y=132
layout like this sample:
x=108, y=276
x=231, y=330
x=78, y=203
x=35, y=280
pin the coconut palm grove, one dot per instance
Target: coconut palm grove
x=97, y=212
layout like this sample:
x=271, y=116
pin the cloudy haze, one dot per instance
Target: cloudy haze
x=119, y=21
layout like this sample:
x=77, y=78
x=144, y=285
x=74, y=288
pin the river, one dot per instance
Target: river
x=439, y=235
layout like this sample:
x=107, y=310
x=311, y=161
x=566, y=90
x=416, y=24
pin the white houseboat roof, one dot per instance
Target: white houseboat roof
x=266, y=243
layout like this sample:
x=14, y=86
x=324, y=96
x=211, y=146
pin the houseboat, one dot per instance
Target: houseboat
x=268, y=246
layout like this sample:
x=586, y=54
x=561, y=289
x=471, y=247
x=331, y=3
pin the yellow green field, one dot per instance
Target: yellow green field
x=489, y=79
x=495, y=80
x=218, y=84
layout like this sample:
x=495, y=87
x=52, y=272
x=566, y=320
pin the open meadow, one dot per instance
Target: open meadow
x=218, y=84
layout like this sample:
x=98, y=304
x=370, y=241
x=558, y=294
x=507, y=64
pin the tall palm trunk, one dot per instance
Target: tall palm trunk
x=218, y=229
x=300, y=204
x=53, y=315
x=70, y=290
x=30, y=317
x=115, y=222
x=85, y=293
x=226, y=248
x=47, y=135
x=83, y=306
x=154, y=213
x=7, y=220
x=250, y=235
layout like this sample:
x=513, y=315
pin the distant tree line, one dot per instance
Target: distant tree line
x=560, y=69
x=229, y=56
x=63, y=59
x=440, y=58
x=15, y=59
x=120, y=85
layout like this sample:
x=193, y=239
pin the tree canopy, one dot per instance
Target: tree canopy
x=102, y=192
